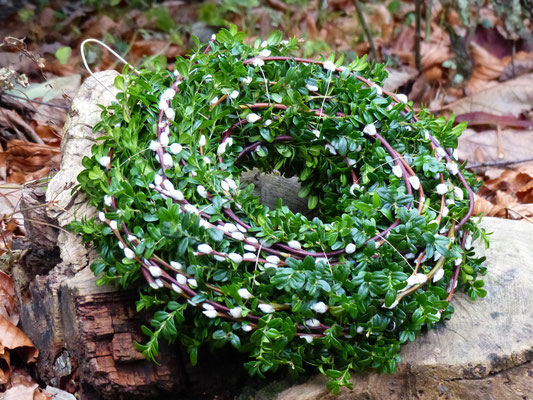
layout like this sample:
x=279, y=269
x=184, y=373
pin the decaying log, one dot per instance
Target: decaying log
x=85, y=333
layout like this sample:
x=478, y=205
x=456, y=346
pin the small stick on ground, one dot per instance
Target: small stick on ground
x=500, y=141
x=418, y=58
x=429, y=7
x=362, y=20
x=502, y=163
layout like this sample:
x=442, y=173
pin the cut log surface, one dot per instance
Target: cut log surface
x=85, y=333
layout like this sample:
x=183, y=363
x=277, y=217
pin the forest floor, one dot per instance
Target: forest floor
x=473, y=63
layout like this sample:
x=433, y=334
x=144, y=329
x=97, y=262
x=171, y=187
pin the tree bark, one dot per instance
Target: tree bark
x=85, y=333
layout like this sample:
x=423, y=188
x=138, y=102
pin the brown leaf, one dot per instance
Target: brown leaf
x=13, y=339
x=513, y=97
x=5, y=366
x=434, y=54
x=483, y=146
x=404, y=43
x=509, y=181
x=44, y=114
x=40, y=394
x=525, y=194
x=434, y=73
x=21, y=386
x=399, y=77
x=9, y=200
x=380, y=18
x=8, y=304
x=522, y=64
x=526, y=168
x=29, y=161
x=14, y=122
x=17, y=177
x=484, y=206
x=145, y=48
x=278, y=5
x=487, y=66
x=505, y=199
x=518, y=211
x=7, y=233
x=6, y=284
x=50, y=135
x=8, y=307
x=97, y=26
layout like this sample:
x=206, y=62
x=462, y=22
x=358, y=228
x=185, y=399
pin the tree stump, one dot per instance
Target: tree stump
x=85, y=334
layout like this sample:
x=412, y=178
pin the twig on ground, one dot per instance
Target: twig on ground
x=520, y=214
x=429, y=7
x=502, y=163
x=368, y=35
x=418, y=58
x=36, y=101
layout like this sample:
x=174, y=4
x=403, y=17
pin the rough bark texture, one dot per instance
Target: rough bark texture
x=85, y=333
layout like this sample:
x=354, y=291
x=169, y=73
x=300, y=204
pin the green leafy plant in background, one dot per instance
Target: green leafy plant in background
x=217, y=13
x=99, y=4
x=340, y=292
x=63, y=54
x=514, y=13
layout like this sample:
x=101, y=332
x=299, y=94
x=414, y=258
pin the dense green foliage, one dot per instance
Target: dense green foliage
x=345, y=312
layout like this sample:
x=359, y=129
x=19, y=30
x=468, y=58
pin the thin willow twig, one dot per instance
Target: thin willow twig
x=86, y=65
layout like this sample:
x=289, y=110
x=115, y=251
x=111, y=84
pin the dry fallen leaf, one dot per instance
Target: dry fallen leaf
x=513, y=97
x=484, y=206
x=487, y=66
x=17, y=126
x=488, y=69
x=507, y=193
x=509, y=181
x=399, y=77
x=8, y=303
x=380, y=18
x=483, y=146
x=21, y=386
x=6, y=284
x=14, y=340
x=521, y=64
x=29, y=161
x=434, y=54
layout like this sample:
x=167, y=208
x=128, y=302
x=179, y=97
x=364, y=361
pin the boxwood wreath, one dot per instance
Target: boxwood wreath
x=340, y=292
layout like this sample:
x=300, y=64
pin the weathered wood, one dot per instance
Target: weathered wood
x=102, y=327
x=85, y=333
